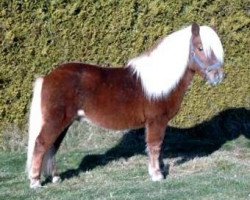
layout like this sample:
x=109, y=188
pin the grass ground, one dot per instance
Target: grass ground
x=208, y=161
x=37, y=36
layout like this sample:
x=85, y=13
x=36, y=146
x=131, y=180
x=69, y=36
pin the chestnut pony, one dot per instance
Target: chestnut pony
x=147, y=92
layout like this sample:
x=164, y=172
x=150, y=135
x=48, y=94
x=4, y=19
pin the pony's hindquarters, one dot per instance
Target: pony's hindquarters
x=35, y=123
x=47, y=128
x=35, y=128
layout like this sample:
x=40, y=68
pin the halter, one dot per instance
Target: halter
x=203, y=66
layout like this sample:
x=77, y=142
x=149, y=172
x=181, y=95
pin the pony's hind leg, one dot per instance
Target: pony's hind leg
x=155, y=135
x=37, y=161
x=54, y=172
x=45, y=148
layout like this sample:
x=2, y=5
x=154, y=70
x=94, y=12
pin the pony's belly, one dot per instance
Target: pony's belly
x=116, y=124
x=115, y=121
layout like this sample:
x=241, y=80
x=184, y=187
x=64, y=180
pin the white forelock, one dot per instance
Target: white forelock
x=161, y=69
x=211, y=43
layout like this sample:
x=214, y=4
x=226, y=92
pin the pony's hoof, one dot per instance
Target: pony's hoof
x=35, y=183
x=155, y=174
x=56, y=179
x=157, y=177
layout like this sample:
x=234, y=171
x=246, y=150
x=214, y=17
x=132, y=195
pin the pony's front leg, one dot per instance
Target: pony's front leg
x=155, y=133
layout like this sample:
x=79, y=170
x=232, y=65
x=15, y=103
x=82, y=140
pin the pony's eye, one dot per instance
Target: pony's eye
x=200, y=48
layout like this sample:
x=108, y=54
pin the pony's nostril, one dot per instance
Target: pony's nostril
x=216, y=79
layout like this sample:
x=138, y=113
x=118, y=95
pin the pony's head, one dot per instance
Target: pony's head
x=206, y=54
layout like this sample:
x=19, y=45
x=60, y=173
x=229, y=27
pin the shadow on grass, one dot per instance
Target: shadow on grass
x=184, y=144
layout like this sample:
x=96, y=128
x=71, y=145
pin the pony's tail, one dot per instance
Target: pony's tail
x=35, y=122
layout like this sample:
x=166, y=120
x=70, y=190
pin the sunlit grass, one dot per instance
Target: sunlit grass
x=100, y=164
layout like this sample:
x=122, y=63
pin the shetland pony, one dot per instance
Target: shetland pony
x=147, y=92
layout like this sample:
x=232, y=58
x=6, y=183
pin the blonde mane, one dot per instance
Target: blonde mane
x=161, y=70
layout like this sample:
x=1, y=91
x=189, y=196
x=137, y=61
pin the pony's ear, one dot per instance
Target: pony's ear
x=195, y=29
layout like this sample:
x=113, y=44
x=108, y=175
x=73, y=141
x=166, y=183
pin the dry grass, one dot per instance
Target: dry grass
x=13, y=139
x=207, y=161
x=36, y=36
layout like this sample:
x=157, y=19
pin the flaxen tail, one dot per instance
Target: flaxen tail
x=35, y=122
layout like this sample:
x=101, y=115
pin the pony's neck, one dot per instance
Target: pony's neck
x=184, y=83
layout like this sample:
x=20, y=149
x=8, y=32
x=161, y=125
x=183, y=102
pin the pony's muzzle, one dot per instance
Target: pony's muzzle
x=215, y=77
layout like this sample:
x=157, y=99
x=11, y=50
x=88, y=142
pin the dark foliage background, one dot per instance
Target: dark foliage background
x=36, y=36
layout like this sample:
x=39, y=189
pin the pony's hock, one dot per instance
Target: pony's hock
x=147, y=92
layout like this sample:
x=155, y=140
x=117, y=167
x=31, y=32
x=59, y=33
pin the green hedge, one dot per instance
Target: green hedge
x=35, y=36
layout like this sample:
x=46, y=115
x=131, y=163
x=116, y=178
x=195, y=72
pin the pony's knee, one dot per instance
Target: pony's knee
x=39, y=145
